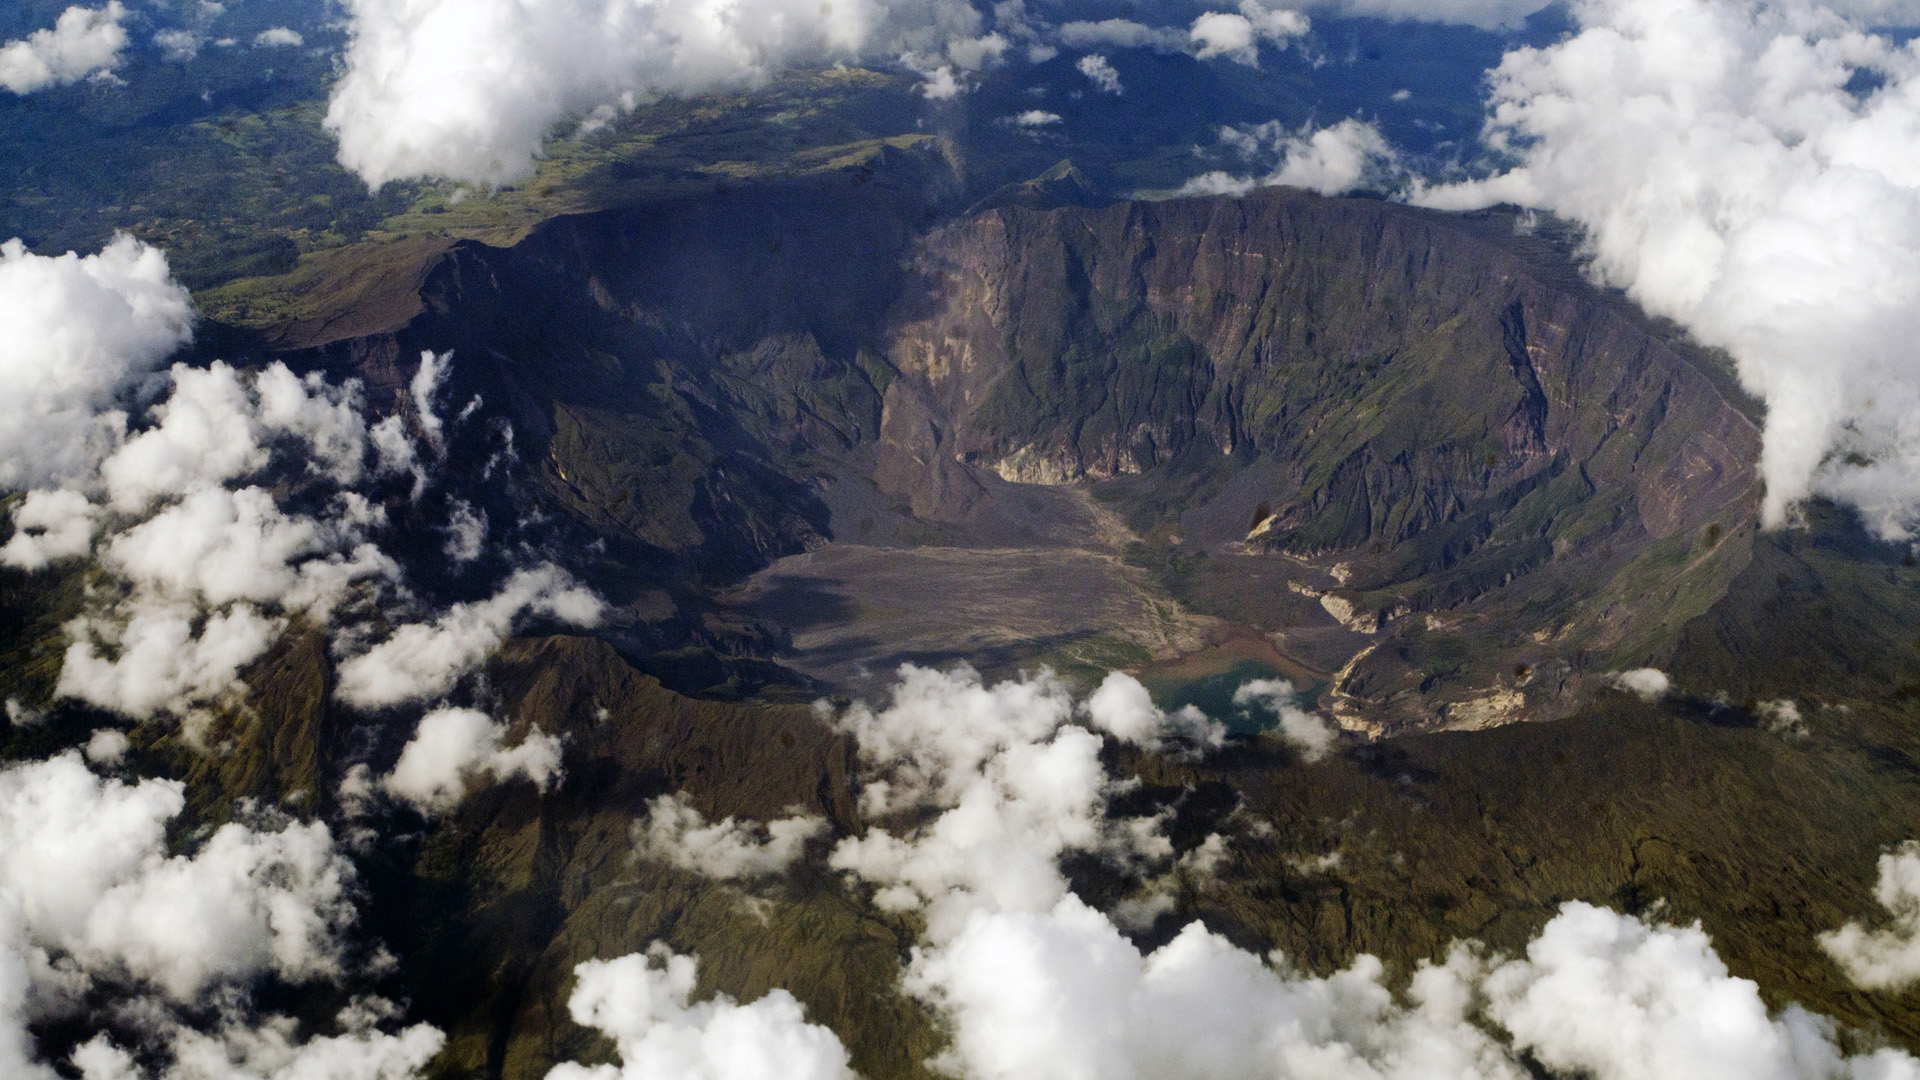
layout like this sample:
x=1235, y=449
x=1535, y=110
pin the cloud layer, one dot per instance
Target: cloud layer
x=1033, y=983
x=641, y=1002
x=1887, y=959
x=421, y=661
x=727, y=850
x=1330, y=160
x=453, y=747
x=91, y=899
x=81, y=331
x=82, y=42
x=1733, y=175
x=469, y=89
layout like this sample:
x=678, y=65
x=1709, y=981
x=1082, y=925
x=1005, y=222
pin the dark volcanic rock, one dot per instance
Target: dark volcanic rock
x=1458, y=424
x=1471, y=483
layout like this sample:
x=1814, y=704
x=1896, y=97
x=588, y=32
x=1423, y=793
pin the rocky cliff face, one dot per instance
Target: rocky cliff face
x=1444, y=419
x=1442, y=471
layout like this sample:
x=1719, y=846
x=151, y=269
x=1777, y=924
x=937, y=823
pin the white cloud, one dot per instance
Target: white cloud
x=424, y=660
x=278, y=37
x=80, y=333
x=976, y=53
x=1782, y=717
x=469, y=89
x=1012, y=786
x=17, y=1057
x=1237, y=36
x=453, y=747
x=1120, y=34
x=641, y=1002
x=674, y=832
x=1885, y=959
x=211, y=579
x=1730, y=180
x=49, y=526
x=1485, y=14
x=466, y=532
x=219, y=425
x=1032, y=995
x=1033, y=118
x=149, y=656
x=1101, y=72
x=107, y=746
x=179, y=46
x=83, y=861
x=218, y=546
x=939, y=81
x=1223, y=34
x=1032, y=983
x=429, y=379
x=1062, y=993
x=271, y=1050
x=1121, y=707
x=211, y=575
x=1605, y=995
x=1311, y=734
x=1647, y=684
x=83, y=42
x=1331, y=160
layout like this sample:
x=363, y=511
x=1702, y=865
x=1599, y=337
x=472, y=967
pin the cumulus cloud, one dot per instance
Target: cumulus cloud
x=147, y=656
x=212, y=573
x=1647, y=684
x=278, y=37
x=1032, y=995
x=1121, y=707
x=218, y=425
x=1101, y=73
x=271, y=1050
x=16, y=985
x=1011, y=786
x=1485, y=14
x=83, y=42
x=107, y=747
x=49, y=526
x=80, y=333
x=1035, y=118
x=729, y=850
x=1310, y=734
x=178, y=46
x=1747, y=191
x=93, y=908
x=1120, y=34
x=642, y=1002
x=424, y=660
x=1609, y=996
x=1886, y=959
x=218, y=546
x=1063, y=993
x=429, y=379
x=84, y=866
x=1033, y=983
x=1331, y=160
x=1782, y=717
x=469, y=89
x=1237, y=36
x=453, y=747
x=466, y=532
